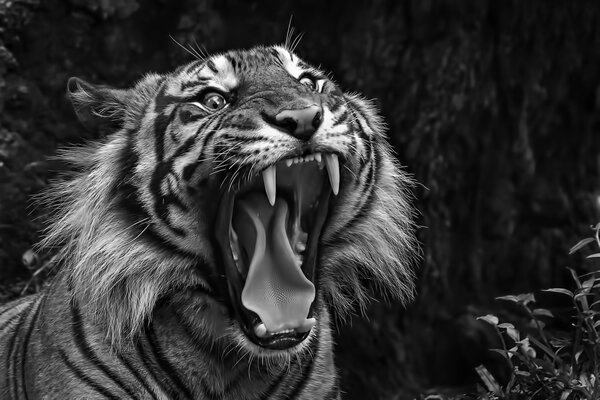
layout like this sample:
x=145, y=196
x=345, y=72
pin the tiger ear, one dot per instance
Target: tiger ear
x=99, y=108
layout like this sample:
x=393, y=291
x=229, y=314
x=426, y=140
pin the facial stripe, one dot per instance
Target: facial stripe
x=206, y=127
x=195, y=82
x=288, y=62
x=366, y=196
x=211, y=65
x=212, y=129
x=226, y=75
x=194, y=67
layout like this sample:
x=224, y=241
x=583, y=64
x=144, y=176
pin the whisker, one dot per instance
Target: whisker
x=195, y=55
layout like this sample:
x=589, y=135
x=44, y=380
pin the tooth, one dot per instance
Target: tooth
x=300, y=247
x=307, y=325
x=310, y=157
x=269, y=178
x=333, y=169
x=289, y=162
x=318, y=157
x=260, y=330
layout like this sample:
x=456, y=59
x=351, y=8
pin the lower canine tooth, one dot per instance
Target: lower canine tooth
x=270, y=179
x=260, y=330
x=333, y=170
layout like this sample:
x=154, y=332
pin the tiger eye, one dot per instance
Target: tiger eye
x=308, y=81
x=214, y=101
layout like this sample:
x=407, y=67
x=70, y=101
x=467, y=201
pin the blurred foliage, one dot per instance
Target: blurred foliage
x=493, y=106
x=545, y=362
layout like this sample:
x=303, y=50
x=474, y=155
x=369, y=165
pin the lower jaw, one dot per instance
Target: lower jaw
x=235, y=284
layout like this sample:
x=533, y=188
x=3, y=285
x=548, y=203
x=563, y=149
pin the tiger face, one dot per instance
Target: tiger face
x=253, y=180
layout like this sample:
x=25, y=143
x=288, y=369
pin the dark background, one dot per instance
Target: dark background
x=492, y=105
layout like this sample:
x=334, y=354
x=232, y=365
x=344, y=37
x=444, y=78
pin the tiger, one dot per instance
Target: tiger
x=229, y=215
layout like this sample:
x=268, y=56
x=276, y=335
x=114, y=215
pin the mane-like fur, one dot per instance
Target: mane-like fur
x=117, y=277
x=379, y=250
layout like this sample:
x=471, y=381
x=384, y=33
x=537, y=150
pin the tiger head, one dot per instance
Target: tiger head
x=244, y=190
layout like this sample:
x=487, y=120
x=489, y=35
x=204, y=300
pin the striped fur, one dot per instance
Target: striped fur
x=139, y=307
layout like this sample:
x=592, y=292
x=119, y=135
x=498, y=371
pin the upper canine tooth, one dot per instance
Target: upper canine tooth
x=333, y=169
x=318, y=157
x=270, y=180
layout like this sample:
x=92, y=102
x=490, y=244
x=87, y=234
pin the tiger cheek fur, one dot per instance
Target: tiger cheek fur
x=236, y=205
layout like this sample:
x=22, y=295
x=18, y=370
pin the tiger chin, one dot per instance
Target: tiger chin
x=232, y=209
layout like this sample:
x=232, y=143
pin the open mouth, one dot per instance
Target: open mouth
x=268, y=233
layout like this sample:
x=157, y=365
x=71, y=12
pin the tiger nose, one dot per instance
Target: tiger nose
x=301, y=123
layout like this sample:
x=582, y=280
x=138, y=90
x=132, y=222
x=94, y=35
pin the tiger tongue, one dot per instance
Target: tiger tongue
x=275, y=288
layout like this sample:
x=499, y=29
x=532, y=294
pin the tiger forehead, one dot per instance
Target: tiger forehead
x=227, y=70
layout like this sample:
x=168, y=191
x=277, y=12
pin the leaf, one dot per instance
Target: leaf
x=505, y=325
x=559, y=290
x=523, y=298
x=590, y=282
x=543, y=312
x=504, y=353
x=522, y=373
x=544, y=348
x=526, y=298
x=575, y=277
x=581, y=296
x=526, y=348
x=490, y=319
x=488, y=380
x=509, y=297
x=580, y=244
x=513, y=333
x=595, y=303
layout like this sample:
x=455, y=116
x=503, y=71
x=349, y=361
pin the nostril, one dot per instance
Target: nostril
x=287, y=123
x=316, y=122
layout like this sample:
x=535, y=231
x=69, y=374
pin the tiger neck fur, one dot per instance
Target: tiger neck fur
x=167, y=360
